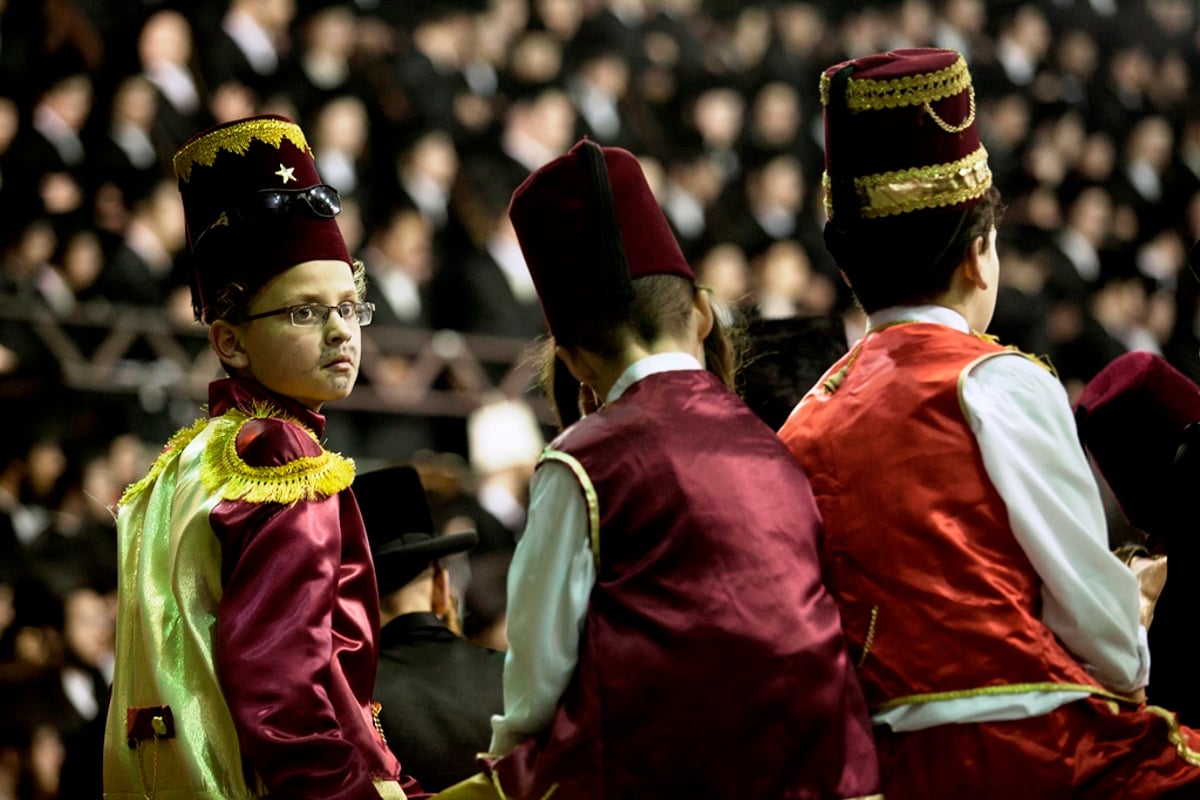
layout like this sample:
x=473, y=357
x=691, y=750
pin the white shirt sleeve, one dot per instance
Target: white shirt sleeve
x=549, y=583
x=1022, y=421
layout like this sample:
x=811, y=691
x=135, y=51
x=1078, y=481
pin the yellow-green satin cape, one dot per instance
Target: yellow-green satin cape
x=170, y=575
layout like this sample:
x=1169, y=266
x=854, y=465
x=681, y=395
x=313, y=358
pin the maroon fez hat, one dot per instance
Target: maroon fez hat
x=900, y=134
x=238, y=230
x=588, y=224
x=1131, y=418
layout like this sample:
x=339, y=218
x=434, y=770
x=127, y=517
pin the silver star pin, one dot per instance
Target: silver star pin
x=286, y=173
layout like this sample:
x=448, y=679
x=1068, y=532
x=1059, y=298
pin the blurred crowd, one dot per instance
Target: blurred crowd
x=426, y=114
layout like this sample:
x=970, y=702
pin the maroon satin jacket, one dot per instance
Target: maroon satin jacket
x=298, y=621
x=712, y=661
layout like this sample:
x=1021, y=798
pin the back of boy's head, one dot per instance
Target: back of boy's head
x=254, y=207
x=589, y=226
x=907, y=182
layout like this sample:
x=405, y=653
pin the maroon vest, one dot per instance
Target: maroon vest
x=935, y=591
x=712, y=661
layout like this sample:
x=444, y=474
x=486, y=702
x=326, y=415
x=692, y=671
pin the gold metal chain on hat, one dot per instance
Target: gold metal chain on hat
x=946, y=126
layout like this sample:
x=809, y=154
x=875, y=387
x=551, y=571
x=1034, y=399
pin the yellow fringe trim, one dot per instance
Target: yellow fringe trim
x=306, y=478
x=889, y=193
x=179, y=440
x=236, y=139
x=864, y=94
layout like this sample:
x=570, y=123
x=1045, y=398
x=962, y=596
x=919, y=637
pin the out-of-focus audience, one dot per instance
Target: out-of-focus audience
x=427, y=115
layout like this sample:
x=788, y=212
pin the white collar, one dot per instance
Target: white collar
x=659, y=362
x=927, y=313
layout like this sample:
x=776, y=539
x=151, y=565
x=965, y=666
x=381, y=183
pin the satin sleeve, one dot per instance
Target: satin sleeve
x=1022, y=420
x=274, y=640
x=549, y=583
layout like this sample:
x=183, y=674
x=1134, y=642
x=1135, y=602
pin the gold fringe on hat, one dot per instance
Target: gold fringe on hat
x=236, y=139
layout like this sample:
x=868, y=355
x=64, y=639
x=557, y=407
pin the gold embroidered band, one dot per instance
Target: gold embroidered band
x=236, y=139
x=910, y=90
x=937, y=186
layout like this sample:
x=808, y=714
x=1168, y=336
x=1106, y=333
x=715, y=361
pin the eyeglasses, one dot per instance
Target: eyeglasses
x=321, y=201
x=314, y=315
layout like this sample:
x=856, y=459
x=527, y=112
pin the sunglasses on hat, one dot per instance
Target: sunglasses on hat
x=321, y=201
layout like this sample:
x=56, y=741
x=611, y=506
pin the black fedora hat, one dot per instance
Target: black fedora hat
x=400, y=528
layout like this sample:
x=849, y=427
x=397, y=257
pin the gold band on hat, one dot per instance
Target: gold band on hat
x=864, y=94
x=887, y=193
x=236, y=139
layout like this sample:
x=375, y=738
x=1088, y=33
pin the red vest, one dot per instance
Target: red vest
x=935, y=593
x=711, y=662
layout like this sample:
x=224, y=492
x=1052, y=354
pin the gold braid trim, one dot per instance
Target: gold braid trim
x=1042, y=361
x=1174, y=735
x=236, y=139
x=992, y=691
x=864, y=94
x=589, y=495
x=888, y=193
x=179, y=440
x=307, y=478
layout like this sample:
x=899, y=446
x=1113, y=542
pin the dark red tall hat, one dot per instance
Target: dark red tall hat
x=900, y=134
x=588, y=223
x=222, y=168
x=1131, y=418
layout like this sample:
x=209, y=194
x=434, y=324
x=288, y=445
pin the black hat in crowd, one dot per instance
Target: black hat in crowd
x=400, y=528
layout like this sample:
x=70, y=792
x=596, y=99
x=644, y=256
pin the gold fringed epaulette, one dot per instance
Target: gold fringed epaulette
x=1042, y=361
x=304, y=478
x=178, y=441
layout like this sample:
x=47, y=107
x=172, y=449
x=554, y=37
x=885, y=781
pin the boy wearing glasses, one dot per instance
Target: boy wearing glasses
x=248, y=621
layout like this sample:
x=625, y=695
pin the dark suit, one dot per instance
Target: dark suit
x=438, y=693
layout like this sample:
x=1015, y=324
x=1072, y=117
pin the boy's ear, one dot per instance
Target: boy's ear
x=972, y=265
x=703, y=303
x=226, y=341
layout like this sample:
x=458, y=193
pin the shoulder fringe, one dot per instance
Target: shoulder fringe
x=223, y=470
x=306, y=478
x=179, y=440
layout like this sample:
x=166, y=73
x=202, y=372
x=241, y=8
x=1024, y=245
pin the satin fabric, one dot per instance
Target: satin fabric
x=711, y=660
x=939, y=599
x=1082, y=751
x=256, y=622
x=963, y=583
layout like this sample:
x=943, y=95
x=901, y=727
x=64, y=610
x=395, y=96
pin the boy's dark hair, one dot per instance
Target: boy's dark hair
x=908, y=259
x=784, y=358
x=661, y=306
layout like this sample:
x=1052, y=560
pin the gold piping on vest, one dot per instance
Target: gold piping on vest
x=1004, y=689
x=236, y=139
x=589, y=495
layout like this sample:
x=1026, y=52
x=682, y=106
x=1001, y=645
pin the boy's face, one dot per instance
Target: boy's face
x=310, y=365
